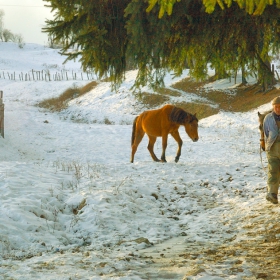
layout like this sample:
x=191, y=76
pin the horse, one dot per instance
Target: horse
x=261, y=119
x=160, y=123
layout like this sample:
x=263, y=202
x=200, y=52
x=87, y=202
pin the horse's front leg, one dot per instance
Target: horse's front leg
x=178, y=139
x=164, y=146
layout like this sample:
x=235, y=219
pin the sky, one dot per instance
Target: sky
x=26, y=17
x=72, y=206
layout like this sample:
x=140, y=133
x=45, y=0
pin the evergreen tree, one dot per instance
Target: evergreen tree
x=94, y=31
x=255, y=7
x=106, y=34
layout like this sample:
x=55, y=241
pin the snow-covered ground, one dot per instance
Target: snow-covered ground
x=73, y=207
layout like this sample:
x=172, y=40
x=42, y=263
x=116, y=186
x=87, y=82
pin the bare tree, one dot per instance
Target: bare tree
x=7, y=35
x=1, y=24
x=17, y=38
x=54, y=43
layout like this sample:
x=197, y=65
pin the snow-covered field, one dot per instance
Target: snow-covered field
x=73, y=207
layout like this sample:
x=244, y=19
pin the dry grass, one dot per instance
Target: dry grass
x=201, y=110
x=168, y=92
x=243, y=98
x=59, y=103
x=152, y=100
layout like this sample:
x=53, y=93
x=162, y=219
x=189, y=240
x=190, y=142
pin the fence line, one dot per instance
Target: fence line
x=45, y=75
x=1, y=114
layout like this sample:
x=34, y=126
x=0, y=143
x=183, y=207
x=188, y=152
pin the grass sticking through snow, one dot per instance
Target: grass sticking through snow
x=59, y=103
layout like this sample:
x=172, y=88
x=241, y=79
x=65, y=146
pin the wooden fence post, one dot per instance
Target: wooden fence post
x=1, y=114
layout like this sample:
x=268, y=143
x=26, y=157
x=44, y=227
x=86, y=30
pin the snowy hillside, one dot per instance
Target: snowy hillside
x=73, y=207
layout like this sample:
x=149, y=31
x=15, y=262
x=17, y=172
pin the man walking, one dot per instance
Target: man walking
x=271, y=126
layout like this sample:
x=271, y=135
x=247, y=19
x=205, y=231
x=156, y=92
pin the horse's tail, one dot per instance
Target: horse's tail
x=133, y=130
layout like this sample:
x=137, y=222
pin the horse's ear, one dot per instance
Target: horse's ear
x=193, y=118
x=259, y=114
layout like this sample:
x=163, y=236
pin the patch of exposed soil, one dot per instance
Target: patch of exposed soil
x=240, y=99
x=253, y=253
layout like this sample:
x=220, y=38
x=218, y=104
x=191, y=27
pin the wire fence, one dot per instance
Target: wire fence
x=1, y=114
x=46, y=75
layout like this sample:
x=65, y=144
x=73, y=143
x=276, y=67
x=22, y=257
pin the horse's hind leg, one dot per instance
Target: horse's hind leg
x=150, y=147
x=178, y=139
x=164, y=146
x=137, y=139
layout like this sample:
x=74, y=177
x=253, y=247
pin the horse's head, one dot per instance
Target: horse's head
x=191, y=127
x=261, y=118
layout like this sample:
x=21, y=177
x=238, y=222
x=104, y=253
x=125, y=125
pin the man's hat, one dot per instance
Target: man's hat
x=276, y=100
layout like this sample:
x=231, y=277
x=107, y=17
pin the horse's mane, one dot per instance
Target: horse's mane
x=267, y=112
x=180, y=116
x=262, y=116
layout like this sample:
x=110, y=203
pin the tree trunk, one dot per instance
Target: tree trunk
x=243, y=76
x=266, y=76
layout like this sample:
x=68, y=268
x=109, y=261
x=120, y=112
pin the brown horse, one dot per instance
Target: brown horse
x=160, y=123
x=261, y=118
